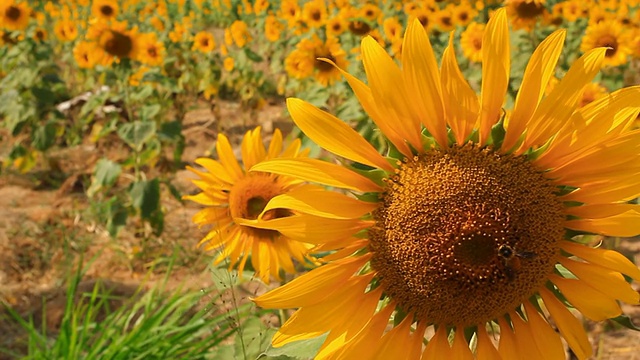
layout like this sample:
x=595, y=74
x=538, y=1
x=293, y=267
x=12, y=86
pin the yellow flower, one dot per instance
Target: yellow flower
x=240, y=33
x=471, y=41
x=204, y=42
x=611, y=34
x=234, y=198
x=272, y=28
x=86, y=54
x=424, y=16
x=524, y=14
x=289, y=11
x=304, y=61
x=443, y=20
x=260, y=6
x=464, y=225
x=136, y=78
x=299, y=64
x=151, y=50
x=335, y=26
x=314, y=13
x=572, y=10
x=228, y=64
x=66, y=30
x=40, y=34
x=464, y=13
x=392, y=29
x=114, y=41
x=14, y=15
x=105, y=9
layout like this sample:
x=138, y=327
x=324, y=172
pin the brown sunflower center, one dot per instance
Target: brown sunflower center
x=117, y=43
x=466, y=234
x=13, y=13
x=315, y=15
x=463, y=16
x=477, y=43
x=445, y=21
x=321, y=65
x=359, y=27
x=610, y=42
x=250, y=195
x=529, y=9
x=106, y=10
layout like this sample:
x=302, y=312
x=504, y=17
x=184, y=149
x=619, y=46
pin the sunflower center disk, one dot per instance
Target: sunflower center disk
x=250, y=195
x=466, y=234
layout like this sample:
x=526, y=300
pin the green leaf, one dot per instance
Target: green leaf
x=302, y=349
x=625, y=321
x=43, y=95
x=116, y=215
x=252, y=55
x=44, y=136
x=105, y=174
x=137, y=133
x=149, y=112
x=145, y=196
x=143, y=93
x=171, y=131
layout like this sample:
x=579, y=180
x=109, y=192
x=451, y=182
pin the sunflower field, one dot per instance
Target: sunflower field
x=323, y=179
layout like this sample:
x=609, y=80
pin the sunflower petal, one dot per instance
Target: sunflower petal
x=609, y=259
x=317, y=201
x=534, y=82
x=422, y=78
x=312, y=287
x=275, y=146
x=215, y=168
x=555, y=110
x=438, y=347
x=485, y=349
x=396, y=341
x=496, y=64
x=227, y=157
x=318, y=171
x=507, y=347
x=365, y=97
x=589, y=301
x=570, y=327
x=334, y=135
x=599, y=211
x=626, y=224
x=460, y=101
x=602, y=279
x=547, y=340
x=460, y=347
x=388, y=89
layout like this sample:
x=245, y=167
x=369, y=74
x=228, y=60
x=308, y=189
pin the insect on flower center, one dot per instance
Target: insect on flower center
x=465, y=234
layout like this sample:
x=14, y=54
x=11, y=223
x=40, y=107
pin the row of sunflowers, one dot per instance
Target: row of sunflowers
x=472, y=179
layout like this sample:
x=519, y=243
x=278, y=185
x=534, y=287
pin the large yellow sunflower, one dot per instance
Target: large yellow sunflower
x=466, y=226
x=233, y=197
x=14, y=15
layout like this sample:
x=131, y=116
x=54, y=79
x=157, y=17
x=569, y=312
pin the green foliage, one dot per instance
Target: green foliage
x=155, y=324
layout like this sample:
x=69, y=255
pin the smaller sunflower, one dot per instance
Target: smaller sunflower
x=463, y=14
x=299, y=64
x=524, y=14
x=425, y=17
x=314, y=13
x=233, y=199
x=228, y=64
x=66, y=30
x=471, y=42
x=14, y=15
x=612, y=35
x=272, y=28
x=204, y=42
x=115, y=40
x=86, y=54
x=392, y=29
x=444, y=20
x=151, y=50
x=325, y=73
x=105, y=9
x=335, y=26
x=240, y=33
x=40, y=35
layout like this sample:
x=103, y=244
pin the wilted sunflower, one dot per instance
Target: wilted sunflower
x=14, y=15
x=465, y=225
x=105, y=9
x=612, y=35
x=234, y=198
